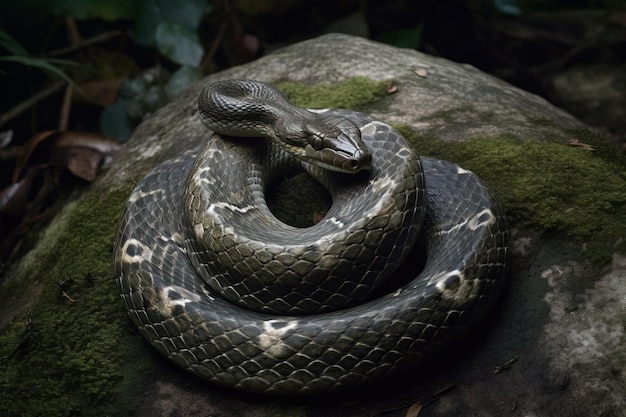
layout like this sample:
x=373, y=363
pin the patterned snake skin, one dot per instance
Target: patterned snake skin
x=223, y=289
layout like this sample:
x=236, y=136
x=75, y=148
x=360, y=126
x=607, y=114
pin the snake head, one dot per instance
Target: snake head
x=332, y=143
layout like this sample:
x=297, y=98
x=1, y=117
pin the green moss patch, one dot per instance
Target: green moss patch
x=550, y=186
x=352, y=93
x=69, y=355
x=77, y=353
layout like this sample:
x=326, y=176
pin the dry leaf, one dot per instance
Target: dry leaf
x=14, y=198
x=415, y=409
x=77, y=151
x=420, y=72
x=29, y=147
x=579, y=144
x=82, y=153
x=90, y=140
x=80, y=161
x=102, y=92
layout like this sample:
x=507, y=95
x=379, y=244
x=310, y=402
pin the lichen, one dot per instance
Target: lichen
x=554, y=187
x=69, y=354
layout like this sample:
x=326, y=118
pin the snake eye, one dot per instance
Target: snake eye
x=317, y=143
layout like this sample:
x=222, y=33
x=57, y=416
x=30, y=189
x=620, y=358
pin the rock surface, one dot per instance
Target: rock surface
x=558, y=333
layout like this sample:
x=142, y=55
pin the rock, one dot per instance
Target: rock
x=595, y=93
x=554, y=346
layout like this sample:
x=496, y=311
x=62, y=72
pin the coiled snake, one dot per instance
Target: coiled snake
x=222, y=288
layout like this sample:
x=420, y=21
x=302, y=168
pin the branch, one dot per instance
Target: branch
x=30, y=102
x=87, y=42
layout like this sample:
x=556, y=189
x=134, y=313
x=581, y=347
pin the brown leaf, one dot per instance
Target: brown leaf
x=29, y=147
x=81, y=153
x=90, y=140
x=415, y=409
x=79, y=160
x=420, y=72
x=14, y=198
x=579, y=144
x=101, y=92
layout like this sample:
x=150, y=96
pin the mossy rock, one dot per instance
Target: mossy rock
x=72, y=351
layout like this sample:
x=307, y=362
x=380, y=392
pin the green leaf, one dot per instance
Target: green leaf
x=179, y=44
x=43, y=64
x=10, y=44
x=115, y=122
x=96, y=9
x=181, y=79
x=151, y=13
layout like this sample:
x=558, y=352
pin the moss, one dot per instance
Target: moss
x=353, y=93
x=77, y=353
x=550, y=186
x=298, y=199
x=69, y=355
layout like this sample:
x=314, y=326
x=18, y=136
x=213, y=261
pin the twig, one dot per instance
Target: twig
x=506, y=365
x=85, y=43
x=65, y=108
x=30, y=102
x=73, y=35
x=206, y=61
x=70, y=299
x=422, y=403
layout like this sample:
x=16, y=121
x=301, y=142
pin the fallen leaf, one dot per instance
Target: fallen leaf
x=79, y=160
x=420, y=72
x=90, y=140
x=14, y=198
x=415, y=409
x=54, y=147
x=102, y=92
x=579, y=144
x=29, y=147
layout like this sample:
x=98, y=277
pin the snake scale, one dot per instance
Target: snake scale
x=228, y=292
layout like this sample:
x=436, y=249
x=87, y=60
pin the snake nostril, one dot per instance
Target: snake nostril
x=354, y=163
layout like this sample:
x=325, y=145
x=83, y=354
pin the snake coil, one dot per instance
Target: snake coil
x=222, y=288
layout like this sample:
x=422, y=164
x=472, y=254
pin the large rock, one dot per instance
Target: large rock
x=555, y=344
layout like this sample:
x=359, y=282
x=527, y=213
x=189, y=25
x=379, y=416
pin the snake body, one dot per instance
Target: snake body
x=225, y=290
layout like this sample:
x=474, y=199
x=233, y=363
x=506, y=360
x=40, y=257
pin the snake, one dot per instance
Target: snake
x=411, y=255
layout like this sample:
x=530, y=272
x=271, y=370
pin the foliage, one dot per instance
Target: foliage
x=517, y=7
x=108, y=10
x=20, y=55
x=171, y=28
